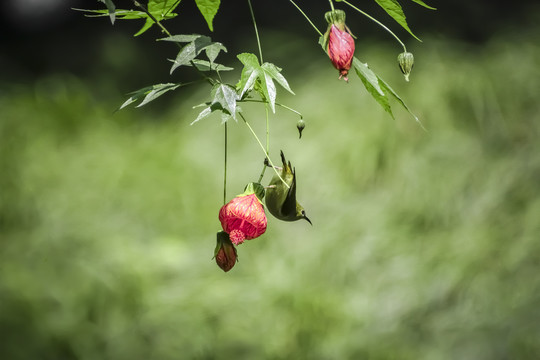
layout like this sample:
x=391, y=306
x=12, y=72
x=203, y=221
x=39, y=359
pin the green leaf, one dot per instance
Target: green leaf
x=224, y=99
x=213, y=50
x=371, y=83
x=204, y=113
x=196, y=44
x=225, y=95
x=204, y=65
x=275, y=73
x=208, y=9
x=111, y=8
x=160, y=10
x=393, y=9
x=182, y=38
x=379, y=89
x=150, y=93
x=260, y=78
x=388, y=90
x=367, y=76
x=250, y=72
x=420, y=2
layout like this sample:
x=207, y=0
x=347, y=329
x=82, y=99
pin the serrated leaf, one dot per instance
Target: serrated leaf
x=371, y=83
x=225, y=95
x=269, y=90
x=205, y=65
x=160, y=10
x=208, y=9
x=204, y=113
x=260, y=78
x=196, y=44
x=150, y=93
x=379, y=89
x=181, y=38
x=387, y=89
x=213, y=50
x=250, y=72
x=275, y=73
x=120, y=14
x=393, y=9
x=366, y=74
x=420, y=2
x=190, y=51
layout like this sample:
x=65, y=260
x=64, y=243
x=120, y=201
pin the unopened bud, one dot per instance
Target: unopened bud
x=300, y=125
x=406, y=63
x=338, y=42
x=225, y=253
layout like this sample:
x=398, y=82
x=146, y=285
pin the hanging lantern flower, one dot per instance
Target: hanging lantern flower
x=338, y=42
x=243, y=217
x=225, y=252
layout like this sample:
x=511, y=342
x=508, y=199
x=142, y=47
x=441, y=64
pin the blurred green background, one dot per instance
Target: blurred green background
x=425, y=245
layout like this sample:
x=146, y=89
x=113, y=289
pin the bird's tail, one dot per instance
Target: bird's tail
x=287, y=167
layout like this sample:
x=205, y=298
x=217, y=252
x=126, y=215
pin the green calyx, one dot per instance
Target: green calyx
x=222, y=238
x=254, y=188
x=336, y=17
x=406, y=63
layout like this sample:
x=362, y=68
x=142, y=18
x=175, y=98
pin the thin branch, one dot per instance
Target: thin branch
x=262, y=147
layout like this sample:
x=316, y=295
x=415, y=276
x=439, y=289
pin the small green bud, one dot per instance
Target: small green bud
x=406, y=63
x=300, y=125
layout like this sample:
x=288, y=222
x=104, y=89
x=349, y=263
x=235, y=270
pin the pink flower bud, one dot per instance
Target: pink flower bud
x=339, y=42
x=225, y=252
x=340, y=50
x=243, y=218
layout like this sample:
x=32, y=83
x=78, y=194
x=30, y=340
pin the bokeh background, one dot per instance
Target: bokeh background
x=424, y=245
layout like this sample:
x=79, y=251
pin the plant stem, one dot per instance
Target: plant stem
x=267, y=140
x=262, y=147
x=307, y=18
x=331, y=5
x=377, y=22
x=277, y=104
x=266, y=105
x=143, y=8
x=256, y=31
x=225, y=170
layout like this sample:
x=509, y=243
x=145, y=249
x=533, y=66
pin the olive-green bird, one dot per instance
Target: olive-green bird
x=280, y=200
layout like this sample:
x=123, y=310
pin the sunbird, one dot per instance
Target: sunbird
x=280, y=199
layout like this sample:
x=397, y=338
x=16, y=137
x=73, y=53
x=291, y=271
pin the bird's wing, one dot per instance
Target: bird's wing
x=289, y=205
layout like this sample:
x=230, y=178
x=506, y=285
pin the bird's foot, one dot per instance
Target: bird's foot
x=267, y=163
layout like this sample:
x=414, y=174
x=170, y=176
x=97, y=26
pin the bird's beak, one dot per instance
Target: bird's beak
x=309, y=221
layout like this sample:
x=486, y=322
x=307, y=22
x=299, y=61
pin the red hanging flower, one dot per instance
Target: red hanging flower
x=225, y=252
x=339, y=42
x=243, y=218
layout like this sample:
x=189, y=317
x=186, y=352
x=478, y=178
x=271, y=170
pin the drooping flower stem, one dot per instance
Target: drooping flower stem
x=267, y=140
x=256, y=31
x=377, y=22
x=225, y=168
x=262, y=147
x=307, y=18
x=331, y=5
x=266, y=104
